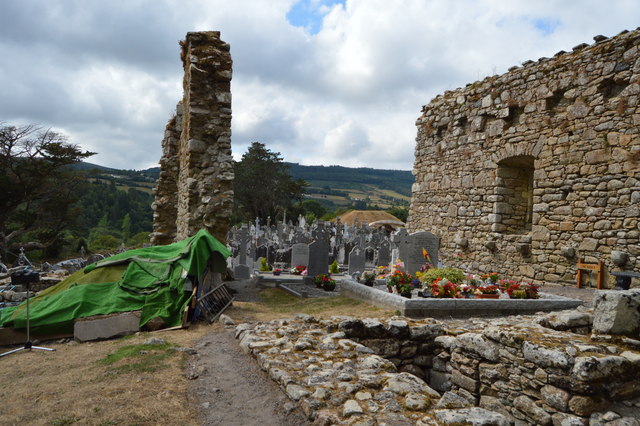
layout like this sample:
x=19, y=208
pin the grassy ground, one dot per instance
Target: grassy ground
x=122, y=381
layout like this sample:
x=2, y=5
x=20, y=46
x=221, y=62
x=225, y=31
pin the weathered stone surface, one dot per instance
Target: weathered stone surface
x=617, y=312
x=195, y=187
x=544, y=356
x=547, y=150
x=557, y=398
x=528, y=382
x=471, y=416
x=527, y=406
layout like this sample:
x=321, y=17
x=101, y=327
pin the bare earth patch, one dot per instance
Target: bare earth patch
x=77, y=385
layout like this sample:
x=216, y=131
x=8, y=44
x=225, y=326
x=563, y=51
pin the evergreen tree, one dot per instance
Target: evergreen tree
x=263, y=186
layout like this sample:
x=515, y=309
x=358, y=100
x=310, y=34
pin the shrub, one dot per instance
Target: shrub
x=453, y=275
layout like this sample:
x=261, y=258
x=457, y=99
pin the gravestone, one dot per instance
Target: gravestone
x=299, y=255
x=242, y=271
x=413, y=257
x=341, y=254
x=369, y=257
x=356, y=260
x=384, y=254
x=318, y=252
x=261, y=251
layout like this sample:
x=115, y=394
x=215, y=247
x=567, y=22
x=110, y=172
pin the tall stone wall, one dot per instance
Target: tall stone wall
x=195, y=188
x=525, y=172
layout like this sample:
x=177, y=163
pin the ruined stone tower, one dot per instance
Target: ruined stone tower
x=195, y=188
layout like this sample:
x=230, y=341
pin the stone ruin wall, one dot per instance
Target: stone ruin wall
x=400, y=371
x=525, y=172
x=195, y=188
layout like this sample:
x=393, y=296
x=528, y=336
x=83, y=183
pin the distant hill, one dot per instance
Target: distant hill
x=333, y=186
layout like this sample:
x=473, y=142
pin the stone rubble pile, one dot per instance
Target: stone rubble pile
x=479, y=371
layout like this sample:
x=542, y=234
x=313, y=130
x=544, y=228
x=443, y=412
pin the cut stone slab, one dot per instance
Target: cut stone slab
x=617, y=312
x=106, y=326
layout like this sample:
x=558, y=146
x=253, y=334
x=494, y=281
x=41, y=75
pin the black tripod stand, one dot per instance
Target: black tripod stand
x=26, y=277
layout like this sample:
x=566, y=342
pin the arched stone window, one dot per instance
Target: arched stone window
x=513, y=205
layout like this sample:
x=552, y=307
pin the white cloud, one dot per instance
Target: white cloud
x=347, y=92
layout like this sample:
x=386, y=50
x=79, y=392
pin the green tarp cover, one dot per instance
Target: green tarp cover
x=148, y=279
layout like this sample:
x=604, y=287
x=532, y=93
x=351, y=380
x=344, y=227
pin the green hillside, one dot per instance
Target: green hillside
x=333, y=186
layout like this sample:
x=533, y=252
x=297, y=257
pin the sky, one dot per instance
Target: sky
x=322, y=82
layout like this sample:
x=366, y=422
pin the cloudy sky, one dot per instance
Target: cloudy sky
x=320, y=81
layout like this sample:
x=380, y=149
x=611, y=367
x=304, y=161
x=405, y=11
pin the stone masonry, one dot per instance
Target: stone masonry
x=526, y=172
x=474, y=371
x=195, y=188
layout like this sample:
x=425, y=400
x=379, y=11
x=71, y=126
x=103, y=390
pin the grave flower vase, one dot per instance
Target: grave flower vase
x=406, y=294
x=329, y=287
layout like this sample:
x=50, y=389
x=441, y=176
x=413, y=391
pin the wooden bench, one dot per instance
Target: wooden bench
x=598, y=267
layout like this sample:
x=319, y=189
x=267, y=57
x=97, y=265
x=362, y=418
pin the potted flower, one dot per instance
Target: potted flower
x=492, y=277
x=405, y=289
x=325, y=282
x=466, y=290
x=277, y=271
x=487, y=292
x=368, y=278
x=443, y=288
x=397, y=279
x=505, y=284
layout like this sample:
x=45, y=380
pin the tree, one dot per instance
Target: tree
x=313, y=210
x=36, y=186
x=263, y=186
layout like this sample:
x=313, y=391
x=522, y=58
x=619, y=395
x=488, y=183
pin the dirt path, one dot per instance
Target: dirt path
x=232, y=390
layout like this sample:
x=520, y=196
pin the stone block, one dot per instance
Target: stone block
x=106, y=326
x=464, y=382
x=440, y=381
x=617, y=312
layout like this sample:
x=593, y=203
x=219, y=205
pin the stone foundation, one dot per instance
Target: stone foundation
x=195, y=187
x=400, y=371
x=525, y=172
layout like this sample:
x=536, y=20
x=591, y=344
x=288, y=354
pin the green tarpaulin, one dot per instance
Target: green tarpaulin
x=148, y=279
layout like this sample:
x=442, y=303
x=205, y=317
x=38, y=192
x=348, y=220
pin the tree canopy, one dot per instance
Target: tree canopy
x=263, y=186
x=36, y=186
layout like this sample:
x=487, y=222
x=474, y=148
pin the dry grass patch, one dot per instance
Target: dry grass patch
x=115, y=382
x=122, y=381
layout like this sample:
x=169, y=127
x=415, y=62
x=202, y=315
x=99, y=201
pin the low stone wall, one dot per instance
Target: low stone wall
x=421, y=307
x=348, y=371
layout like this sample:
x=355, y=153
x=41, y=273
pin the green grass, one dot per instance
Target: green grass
x=138, y=358
x=282, y=302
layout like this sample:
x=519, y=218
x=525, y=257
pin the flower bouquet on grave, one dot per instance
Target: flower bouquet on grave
x=405, y=290
x=277, y=271
x=298, y=270
x=505, y=284
x=466, y=290
x=397, y=279
x=325, y=282
x=523, y=291
x=492, y=277
x=445, y=289
x=487, y=292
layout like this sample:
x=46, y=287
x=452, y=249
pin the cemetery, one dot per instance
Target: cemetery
x=477, y=336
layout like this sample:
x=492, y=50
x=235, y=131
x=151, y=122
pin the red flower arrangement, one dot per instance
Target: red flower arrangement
x=447, y=290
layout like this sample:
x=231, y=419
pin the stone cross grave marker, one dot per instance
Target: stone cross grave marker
x=356, y=260
x=384, y=253
x=242, y=270
x=318, y=252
